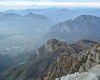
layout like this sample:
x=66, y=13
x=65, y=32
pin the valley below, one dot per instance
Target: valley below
x=50, y=44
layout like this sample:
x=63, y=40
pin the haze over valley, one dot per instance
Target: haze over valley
x=50, y=41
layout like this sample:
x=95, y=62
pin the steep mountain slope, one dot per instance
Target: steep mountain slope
x=75, y=63
x=63, y=14
x=49, y=53
x=82, y=27
x=92, y=65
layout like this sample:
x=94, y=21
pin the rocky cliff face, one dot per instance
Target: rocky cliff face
x=92, y=59
x=81, y=62
x=92, y=74
x=54, y=59
x=88, y=58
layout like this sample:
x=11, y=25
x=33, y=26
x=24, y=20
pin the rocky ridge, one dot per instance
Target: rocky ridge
x=91, y=74
x=90, y=69
x=81, y=27
x=54, y=59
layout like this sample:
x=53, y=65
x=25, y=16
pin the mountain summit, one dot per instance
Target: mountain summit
x=82, y=27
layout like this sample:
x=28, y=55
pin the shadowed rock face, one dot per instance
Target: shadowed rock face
x=63, y=63
x=82, y=27
x=52, y=58
x=75, y=63
x=92, y=59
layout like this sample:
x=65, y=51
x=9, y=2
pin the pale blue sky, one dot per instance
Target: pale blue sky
x=26, y=4
x=56, y=0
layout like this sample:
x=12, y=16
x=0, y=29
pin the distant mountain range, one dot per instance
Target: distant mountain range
x=45, y=22
x=82, y=27
x=36, y=11
x=58, y=14
x=22, y=33
x=37, y=21
x=12, y=23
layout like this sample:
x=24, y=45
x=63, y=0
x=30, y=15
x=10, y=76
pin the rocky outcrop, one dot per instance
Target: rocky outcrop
x=92, y=74
x=92, y=59
x=63, y=66
x=81, y=62
x=54, y=59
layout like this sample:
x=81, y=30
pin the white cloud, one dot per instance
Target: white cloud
x=45, y=3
